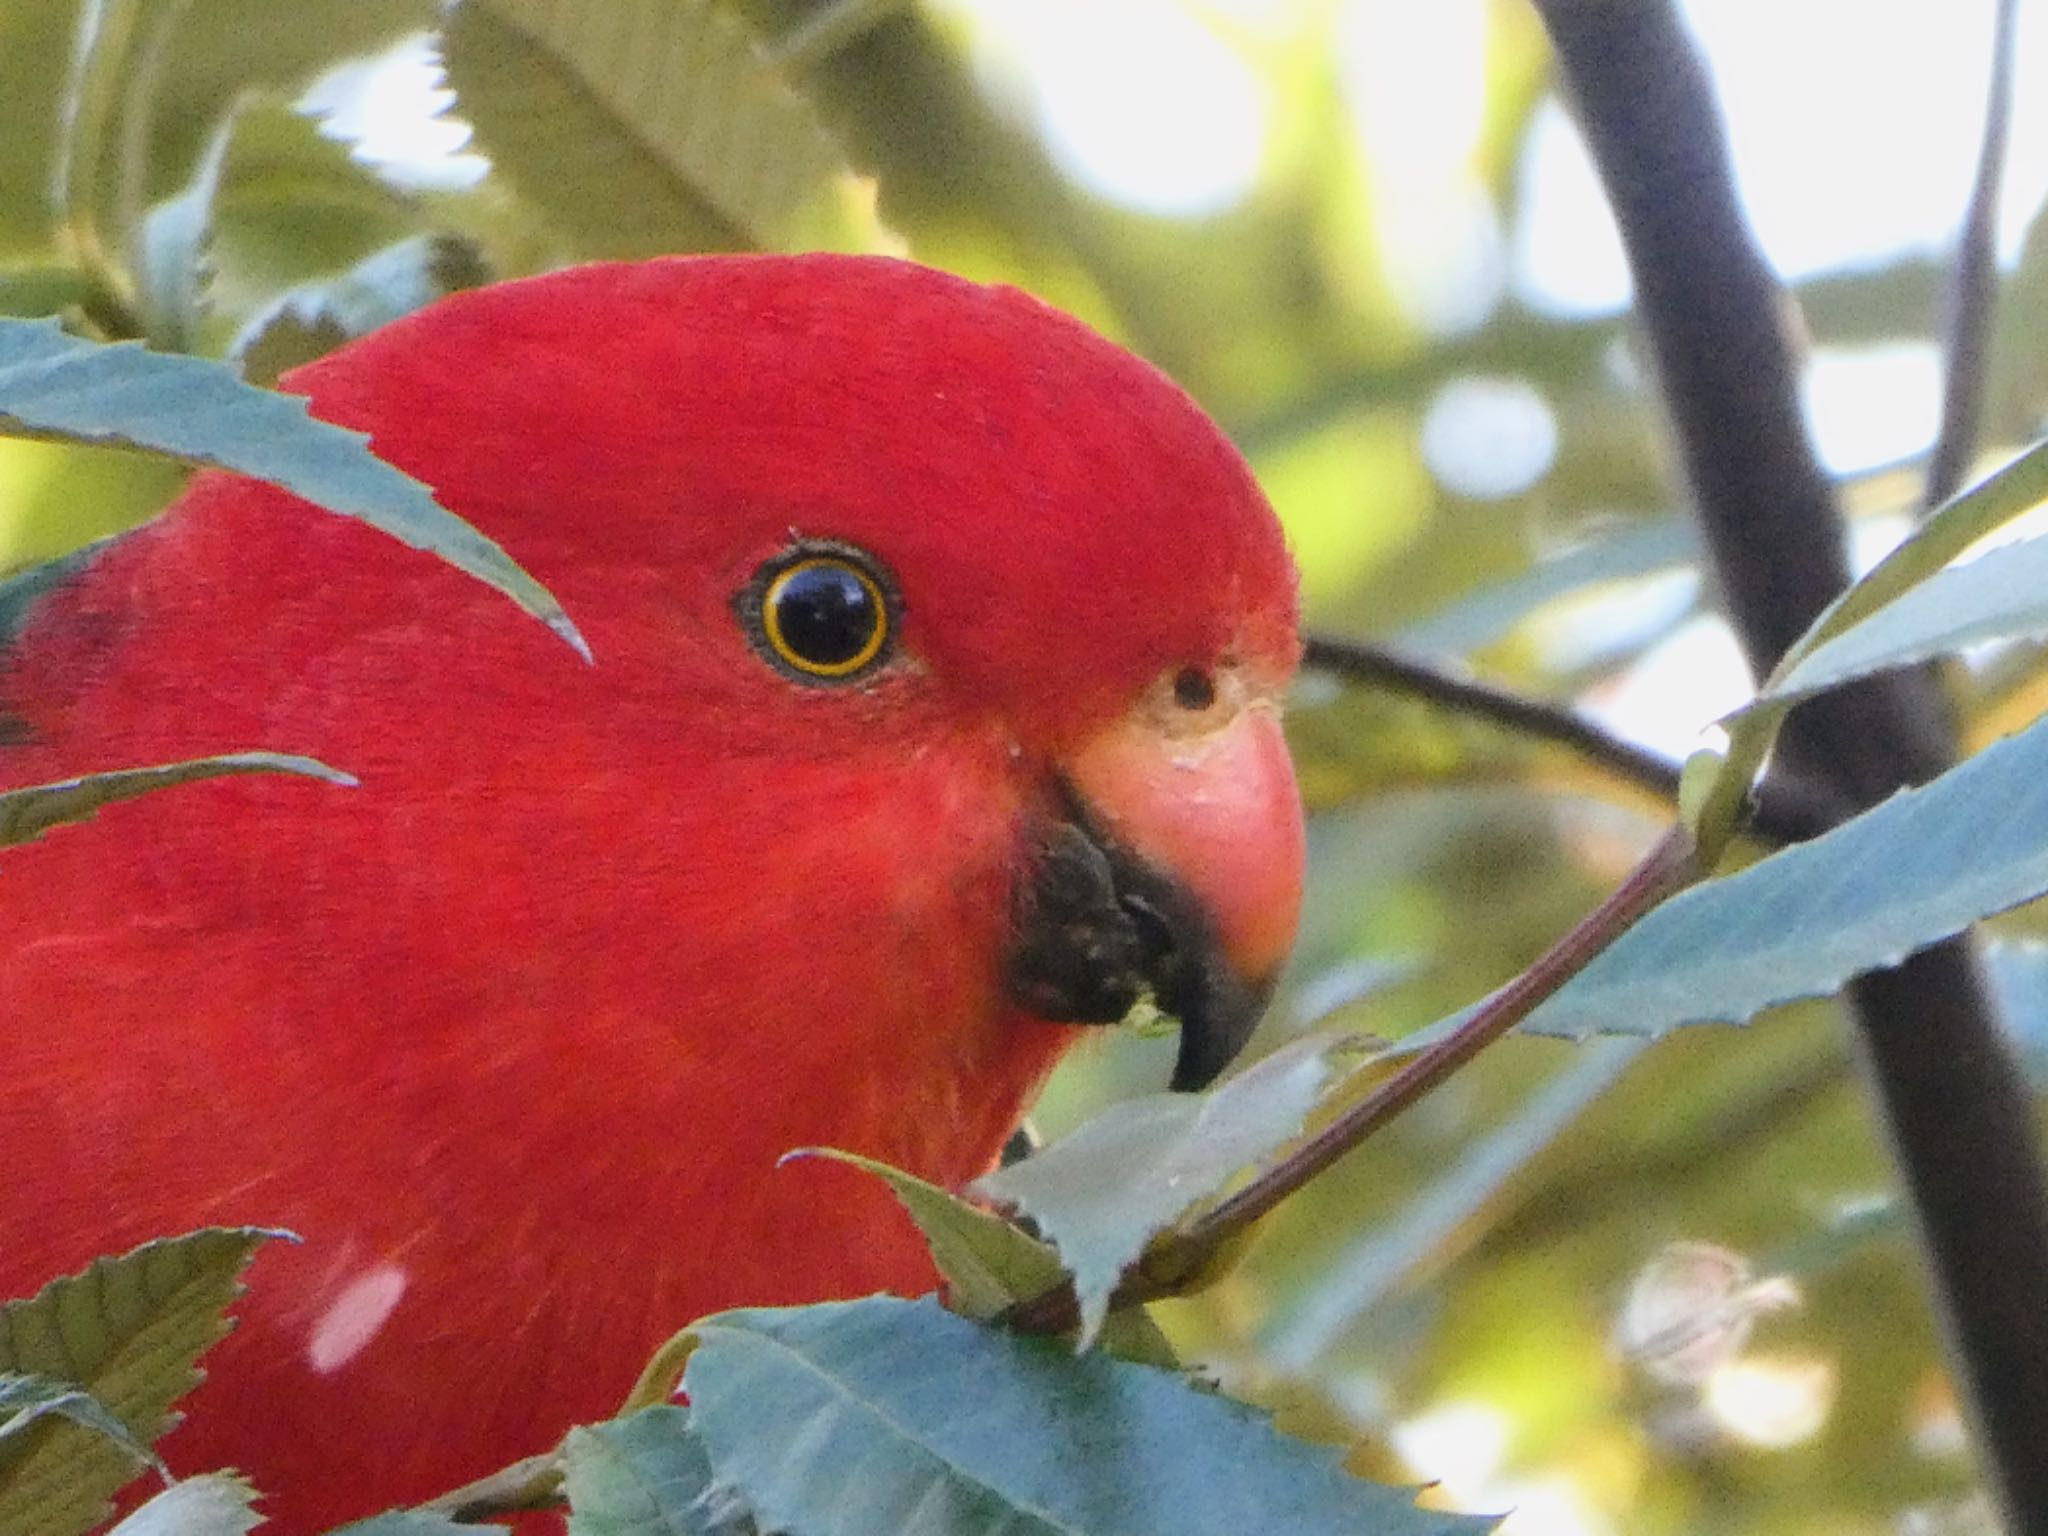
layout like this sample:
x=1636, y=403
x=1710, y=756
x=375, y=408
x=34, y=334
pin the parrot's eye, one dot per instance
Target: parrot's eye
x=824, y=616
x=1194, y=688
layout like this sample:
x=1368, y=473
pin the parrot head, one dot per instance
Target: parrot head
x=928, y=510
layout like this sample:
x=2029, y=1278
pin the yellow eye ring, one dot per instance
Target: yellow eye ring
x=824, y=616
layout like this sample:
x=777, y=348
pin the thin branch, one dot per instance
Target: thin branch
x=1377, y=666
x=1950, y=1093
x=1666, y=869
x=1787, y=809
x=1973, y=295
x=1188, y=1251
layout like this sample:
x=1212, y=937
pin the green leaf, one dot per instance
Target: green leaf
x=214, y=1504
x=57, y=386
x=645, y=1475
x=2000, y=595
x=292, y=329
x=222, y=48
x=170, y=249
x=130, y=1331
x=26, y=814
x=104, y=47
x=296, y=209
x=648, y=126
x=308, y=321
x=1104, y=1191
x=1714, y=810
x=1922, y=866
x=27, y=1400
x=990, y=1264
x=897, y=1418
x=261, y=143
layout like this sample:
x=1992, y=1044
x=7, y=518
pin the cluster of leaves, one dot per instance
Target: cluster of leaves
x=148, y=211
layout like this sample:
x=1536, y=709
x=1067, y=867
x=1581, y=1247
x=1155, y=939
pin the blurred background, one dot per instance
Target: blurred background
x=1614, y=1288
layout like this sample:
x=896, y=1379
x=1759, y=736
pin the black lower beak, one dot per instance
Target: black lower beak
x=1098, y=929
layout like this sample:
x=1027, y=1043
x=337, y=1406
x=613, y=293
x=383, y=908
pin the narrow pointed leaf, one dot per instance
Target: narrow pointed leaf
x=1920, y=867
x=170, y=250
x=29, y=813
x=895, y=1418
x=57, y=386
x=1103, y=1192
x=2001, y=595
x=989, y=1264
x=2009, y=492
x=1714, y=807
x=130, y=1331
x=261, y=144
x=648, y=126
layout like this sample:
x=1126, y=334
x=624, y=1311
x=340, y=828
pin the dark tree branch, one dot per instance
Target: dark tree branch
x=1973, y=296
x=1787, y=809
x=1952, y=1098
x=1378, y=666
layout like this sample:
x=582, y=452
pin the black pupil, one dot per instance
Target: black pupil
x=826, y=614
x=1193, y=688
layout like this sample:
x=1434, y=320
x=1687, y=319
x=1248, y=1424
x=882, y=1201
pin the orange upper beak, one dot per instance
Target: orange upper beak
x=1219, y=814
x=1178, y=873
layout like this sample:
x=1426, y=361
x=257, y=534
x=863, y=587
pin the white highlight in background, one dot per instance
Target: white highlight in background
x=1487, y=438
x=1872, y=406
x=1414, y=80
x=389, y=109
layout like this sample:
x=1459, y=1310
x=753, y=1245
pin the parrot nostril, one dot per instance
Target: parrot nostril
x=1194, y=688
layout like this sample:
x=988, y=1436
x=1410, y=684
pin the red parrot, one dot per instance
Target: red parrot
x=939, y=652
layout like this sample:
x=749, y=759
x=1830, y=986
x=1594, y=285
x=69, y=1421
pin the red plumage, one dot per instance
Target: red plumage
x=515, y=1032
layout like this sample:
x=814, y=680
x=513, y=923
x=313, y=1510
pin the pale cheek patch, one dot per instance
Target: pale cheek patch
x=354, y=1317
